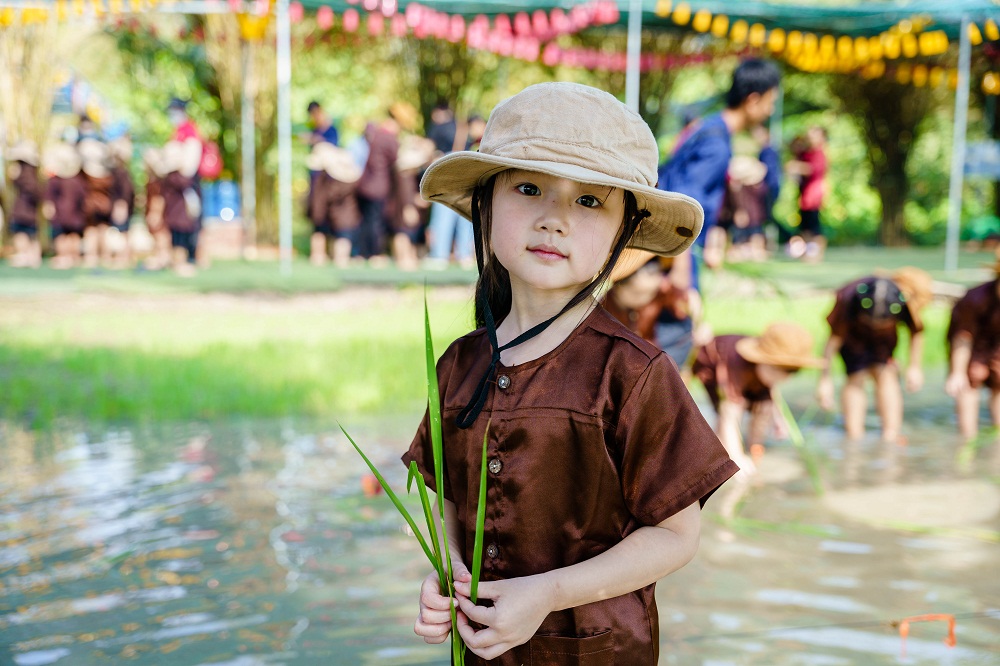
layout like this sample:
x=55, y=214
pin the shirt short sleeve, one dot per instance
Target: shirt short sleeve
x=838, y=318
x=671, y=458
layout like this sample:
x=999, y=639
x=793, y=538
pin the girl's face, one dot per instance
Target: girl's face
x=553, y=234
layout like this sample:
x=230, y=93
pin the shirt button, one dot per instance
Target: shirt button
x=503, y=381
x=495, y=465
x=492, y=551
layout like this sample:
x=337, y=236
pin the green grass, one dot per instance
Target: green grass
x=140, y=347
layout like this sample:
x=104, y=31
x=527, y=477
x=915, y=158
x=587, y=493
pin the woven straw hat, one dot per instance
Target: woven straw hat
x=336, y=162
x=917, y=288
x=783, y=344
x=23, y=151
x=61, y=160
x=576, y=132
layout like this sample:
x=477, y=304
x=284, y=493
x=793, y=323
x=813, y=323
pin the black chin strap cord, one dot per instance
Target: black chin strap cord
x=468, y=415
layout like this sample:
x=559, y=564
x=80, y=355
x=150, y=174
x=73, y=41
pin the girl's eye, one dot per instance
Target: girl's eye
x=589, y=200
x=528, y=189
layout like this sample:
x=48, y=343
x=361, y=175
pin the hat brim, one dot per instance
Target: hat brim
x=749, y=349
x=673, y=225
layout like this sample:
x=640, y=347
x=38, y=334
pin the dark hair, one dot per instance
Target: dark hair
x=313, y=105
x=754, y=75
x=493, y=285
x=880, y=299
x=177, y=103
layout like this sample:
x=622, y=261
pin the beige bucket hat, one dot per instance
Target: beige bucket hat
x=24, y=151
x=336, y=162
x=95, y=155
x=576, y=132
x=153, y=159
x=415, y=153
x=61, y=160
x=746, y=170
x=782, y=344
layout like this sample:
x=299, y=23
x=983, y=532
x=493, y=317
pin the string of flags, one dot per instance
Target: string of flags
x=531, y=36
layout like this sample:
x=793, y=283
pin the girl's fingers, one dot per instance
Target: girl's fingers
x=480, y=614
x=433, y=634
x=431, y=616
x=486, y=589
x=476, y=640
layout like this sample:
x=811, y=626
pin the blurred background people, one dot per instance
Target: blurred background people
x=323, y=129
x=23, y=173
x=375, y=185
x=974, y=359
x=742, y=373
x=117, y=246
x=863, y=329
x=332, y=205
x=448, y=231
x=65, y=204
x=406, y=209
x=745, y=208
x=95, y=158
x=810, y=167
x=181, y=206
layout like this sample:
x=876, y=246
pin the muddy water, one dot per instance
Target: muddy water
x=247, y=544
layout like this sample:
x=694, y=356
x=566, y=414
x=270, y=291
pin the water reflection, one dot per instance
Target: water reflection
x=243, y=544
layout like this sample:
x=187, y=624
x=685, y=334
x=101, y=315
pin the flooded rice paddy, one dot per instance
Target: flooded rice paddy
x=246, y=544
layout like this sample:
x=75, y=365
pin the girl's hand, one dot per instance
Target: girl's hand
x=914, y=379
x=956, y=384
x=824, y=394
x=519, y=606
x=434, y=621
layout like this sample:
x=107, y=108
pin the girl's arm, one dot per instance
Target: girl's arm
x=958, y=375
x=521, y=604
x=434, y=620
x=824, y=392
x=914, y=369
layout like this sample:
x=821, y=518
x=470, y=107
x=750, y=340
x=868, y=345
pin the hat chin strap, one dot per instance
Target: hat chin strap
x=472, y=410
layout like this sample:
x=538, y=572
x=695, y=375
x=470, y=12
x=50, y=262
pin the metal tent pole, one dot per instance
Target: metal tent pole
x=958, y=150
x=634, y=49
x=248, y=152
x=284, y=62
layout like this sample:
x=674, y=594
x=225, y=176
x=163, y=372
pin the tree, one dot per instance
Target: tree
x=889, y=114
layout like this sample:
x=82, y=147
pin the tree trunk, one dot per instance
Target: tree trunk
x=889, y=114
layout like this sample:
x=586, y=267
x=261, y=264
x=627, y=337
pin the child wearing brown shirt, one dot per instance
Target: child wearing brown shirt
x=598, y=459
x=23, y=173
x=742, y=373
x=974, y=338
x=863, y=329
x=65, y=200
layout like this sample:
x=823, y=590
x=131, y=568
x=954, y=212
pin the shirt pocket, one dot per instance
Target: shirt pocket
x=596, y=650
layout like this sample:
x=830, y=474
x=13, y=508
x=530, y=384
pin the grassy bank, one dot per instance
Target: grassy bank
x=239, y=340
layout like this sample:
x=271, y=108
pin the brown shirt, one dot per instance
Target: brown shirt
x=377, y=179
x=859, y=336
x=976, y=316
x=100, y=198
x=587, y=444
x=175, y=214
x=67, y=196
x=29, y=194
x=728, y=375
x=334, y=202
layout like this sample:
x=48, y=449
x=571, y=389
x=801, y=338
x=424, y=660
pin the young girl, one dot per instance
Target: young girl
x=598, y=458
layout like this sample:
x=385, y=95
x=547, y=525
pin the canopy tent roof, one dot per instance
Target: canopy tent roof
x=854, y=19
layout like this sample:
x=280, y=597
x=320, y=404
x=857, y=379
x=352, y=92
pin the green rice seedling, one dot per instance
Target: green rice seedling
x=808, y=457
x=437, y=552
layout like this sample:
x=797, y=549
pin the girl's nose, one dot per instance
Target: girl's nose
x=555, y=218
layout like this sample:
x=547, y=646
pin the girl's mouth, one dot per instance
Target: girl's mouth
x=547, y=252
